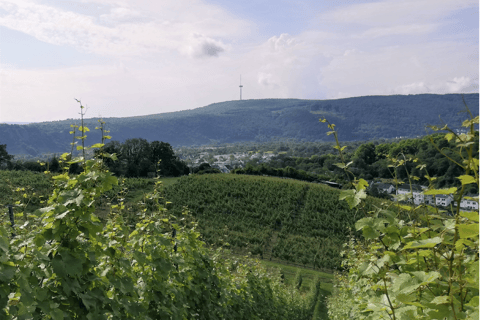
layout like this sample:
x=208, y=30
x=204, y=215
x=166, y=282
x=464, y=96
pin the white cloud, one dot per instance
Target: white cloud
x=119, y=14
x=394, y=12
x=438, y=67
x=199, y=45
x=408, y=29
x=150, y=28
x=282, y=42
x=266, y=79
x=455, y=85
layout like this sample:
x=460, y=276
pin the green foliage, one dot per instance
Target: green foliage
x=139, y=158
x=205, y=168
x=4, y=156
x=422, y=267
x=64, y=263
x=26, y=190
x=298, y=280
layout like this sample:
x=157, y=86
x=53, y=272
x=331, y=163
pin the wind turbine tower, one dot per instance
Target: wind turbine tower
x=240, y=86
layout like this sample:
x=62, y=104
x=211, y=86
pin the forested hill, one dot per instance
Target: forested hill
x=358, y=118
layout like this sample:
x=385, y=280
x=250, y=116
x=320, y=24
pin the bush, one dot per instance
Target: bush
x=424, y=266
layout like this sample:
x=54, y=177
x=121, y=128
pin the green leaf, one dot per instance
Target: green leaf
x=461, y=243
x=473, y=302
x=427, y=243
x=406, y=298
x=7, y=272
x=449, y=136
x=426, y=278
x=56, y=314
x=63, y=215
x=73, y=265
x=349, y=196
x=361, y=185
x=440, y=191
x=470, y=215
x=89, y=301
x=4, y=243
x=62, y=177
x=468, y=230
x=362, y=223
x=467, y=179
x=404, y=284
x=441, y=300
x=370, y=233
x=340, y=165
x=97, y=145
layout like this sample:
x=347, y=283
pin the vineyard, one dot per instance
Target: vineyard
x=294, y=221
x=86, y=247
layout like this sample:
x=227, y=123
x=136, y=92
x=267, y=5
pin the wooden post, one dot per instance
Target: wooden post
x=11, y=216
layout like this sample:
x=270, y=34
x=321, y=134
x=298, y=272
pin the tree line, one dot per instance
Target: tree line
x=136, y=158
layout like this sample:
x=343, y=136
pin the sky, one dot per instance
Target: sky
x=126, y=58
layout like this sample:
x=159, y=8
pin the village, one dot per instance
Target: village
x=415, y=192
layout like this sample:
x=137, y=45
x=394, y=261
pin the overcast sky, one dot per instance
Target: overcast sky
x=137, y=57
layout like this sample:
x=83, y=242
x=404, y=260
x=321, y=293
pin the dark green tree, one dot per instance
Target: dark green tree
x=114, y=147
x=54, y=165
x=366, y=153
x=4, y=156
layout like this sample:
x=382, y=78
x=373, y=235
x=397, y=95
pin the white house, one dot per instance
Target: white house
x=444, y=199
x=385, y=187
x=468, y=204
x=417, y=194
x=405, y=189
x=419, y=197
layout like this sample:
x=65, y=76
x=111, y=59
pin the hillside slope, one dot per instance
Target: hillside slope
x=358, y=118
x=290, y=220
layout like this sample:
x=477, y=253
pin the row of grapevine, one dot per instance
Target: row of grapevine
x=245, y=211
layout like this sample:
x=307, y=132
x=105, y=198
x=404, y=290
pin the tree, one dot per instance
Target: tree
x=134, y=151
x=113, y=147
x=163, y=151
x=366, y=152
x=138, y=157
x=54, y=164
x=4, y=156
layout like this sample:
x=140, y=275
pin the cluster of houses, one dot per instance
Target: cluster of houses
x=226, y=162
x=419, y=197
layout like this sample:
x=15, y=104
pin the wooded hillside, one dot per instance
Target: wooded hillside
x=361, y=118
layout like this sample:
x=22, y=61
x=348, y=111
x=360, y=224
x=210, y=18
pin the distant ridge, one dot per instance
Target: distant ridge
x=21, y=123
x=357, y=118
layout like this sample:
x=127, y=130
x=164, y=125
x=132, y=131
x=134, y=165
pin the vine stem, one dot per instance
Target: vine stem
x=388, y=298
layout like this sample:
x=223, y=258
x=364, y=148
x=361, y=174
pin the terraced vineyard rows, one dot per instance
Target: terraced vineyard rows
x=289, y=220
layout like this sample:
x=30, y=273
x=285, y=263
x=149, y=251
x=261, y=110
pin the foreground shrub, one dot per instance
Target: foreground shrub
x=421, y=267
